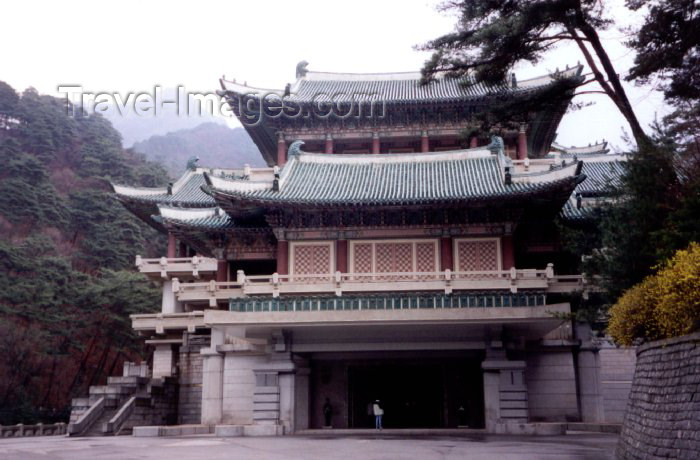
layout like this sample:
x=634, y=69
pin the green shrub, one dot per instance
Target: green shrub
x=664, y=305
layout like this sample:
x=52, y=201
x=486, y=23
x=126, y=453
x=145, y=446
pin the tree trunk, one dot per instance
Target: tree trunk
x=620, y=96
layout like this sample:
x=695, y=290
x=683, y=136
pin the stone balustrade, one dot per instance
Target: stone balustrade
x=181, y=267
x=338, y=283
x=39, y=429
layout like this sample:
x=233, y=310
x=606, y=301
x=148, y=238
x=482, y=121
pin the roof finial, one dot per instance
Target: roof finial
x=192, y=163
x=496, y=146
x=301, y=69
x=295, y=148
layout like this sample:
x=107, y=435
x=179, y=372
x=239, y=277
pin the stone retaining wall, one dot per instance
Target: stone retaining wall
x=663, y=413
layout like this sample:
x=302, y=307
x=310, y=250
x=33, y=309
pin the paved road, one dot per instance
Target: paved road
x=572, y=446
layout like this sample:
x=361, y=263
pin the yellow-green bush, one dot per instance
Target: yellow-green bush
x=664, y=305
x=633, y=314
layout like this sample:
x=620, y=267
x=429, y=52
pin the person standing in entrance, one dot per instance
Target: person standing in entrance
x=378, y=413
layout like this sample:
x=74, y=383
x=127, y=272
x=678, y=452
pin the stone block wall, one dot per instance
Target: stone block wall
x=616, y=372
x=551, y=385
x=663, y=415
x=190, y=379
x=239, y=387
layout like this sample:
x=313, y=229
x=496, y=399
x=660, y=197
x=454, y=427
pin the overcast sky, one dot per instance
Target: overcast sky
x=133, y=45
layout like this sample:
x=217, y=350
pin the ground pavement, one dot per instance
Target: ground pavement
x=366, y=447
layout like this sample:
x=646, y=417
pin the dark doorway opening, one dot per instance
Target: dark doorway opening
x=435, y=394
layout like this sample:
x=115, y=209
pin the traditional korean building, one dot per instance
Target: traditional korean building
x=382, y=255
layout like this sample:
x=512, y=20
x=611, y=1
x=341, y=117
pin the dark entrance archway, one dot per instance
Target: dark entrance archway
x=416, y=390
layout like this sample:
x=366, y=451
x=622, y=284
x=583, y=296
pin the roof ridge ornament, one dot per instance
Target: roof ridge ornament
x=497, y=145
x=295, y=148
x=301, y=69
x=192, y=163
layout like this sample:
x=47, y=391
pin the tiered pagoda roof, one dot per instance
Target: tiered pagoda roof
x=208, y=200
x=402, y=95
x=331, y=181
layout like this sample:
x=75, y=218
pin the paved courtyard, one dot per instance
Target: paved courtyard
x=572, y=446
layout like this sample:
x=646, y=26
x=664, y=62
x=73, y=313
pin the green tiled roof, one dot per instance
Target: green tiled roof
x=571, y=213
x=204, y=218
x=394, y=179
x=600, y=176
x=186, y=192
x=393, y=87
x=599, y=148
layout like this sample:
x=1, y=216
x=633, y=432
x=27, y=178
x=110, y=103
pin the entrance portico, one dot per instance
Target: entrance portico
x=271, y=372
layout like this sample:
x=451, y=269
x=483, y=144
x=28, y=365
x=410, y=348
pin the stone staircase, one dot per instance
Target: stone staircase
x=95, y=429
x=133, y=399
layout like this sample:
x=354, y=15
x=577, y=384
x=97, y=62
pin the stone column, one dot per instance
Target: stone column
x=281, y=150
x=341, y=256
x=522, y=142
x=446, y=261
x=507, y=252
x=588, y=371
x=169, y=302
x=329, y=143
x=301, y=398
x=163, y=360
x=375, y=142
x=172, y=245
x=286, y=382
x=424, y=142
x=282, y=257
x=212, y=386
x=492, y=401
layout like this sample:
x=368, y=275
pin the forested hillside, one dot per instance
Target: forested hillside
x=215, y=144
x=67, y=284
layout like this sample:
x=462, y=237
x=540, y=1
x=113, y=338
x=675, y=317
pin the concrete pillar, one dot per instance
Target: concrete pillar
x=590, y=386
x=329, y=143
x=522, y=143
x=163, y=361
x=281, y=150
x=341, y=256
x=169, y=302
x=172, y=245
x=424, y=142
x=286, y=383
x=282, y=257
x=446, y=261
x=301, y=398
x=492, y=401
x=507, y=252
x=473, y=142
x=375, y=143
x=588, y=373
x=212, y=386
x=221, y=270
